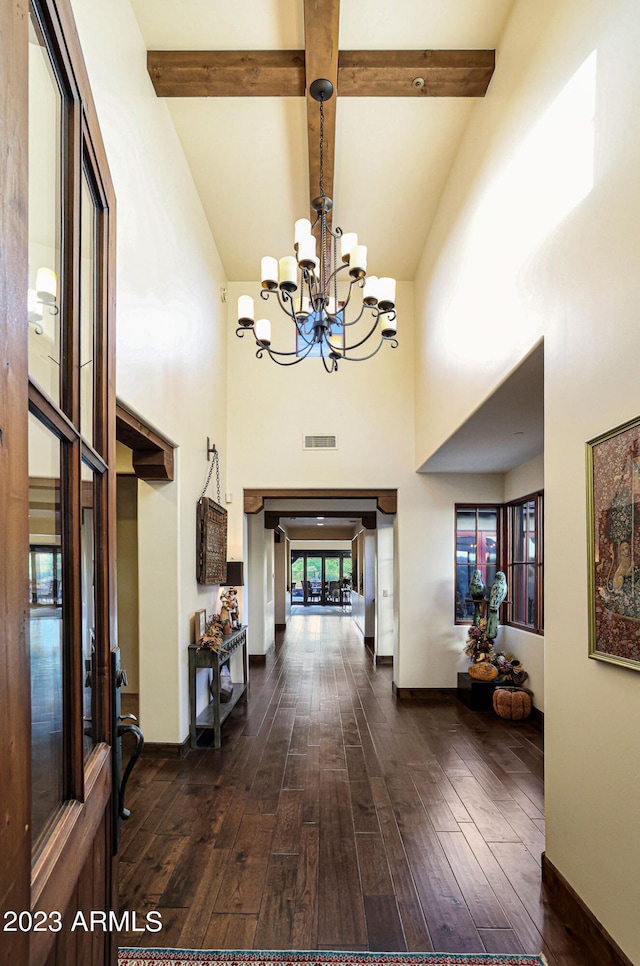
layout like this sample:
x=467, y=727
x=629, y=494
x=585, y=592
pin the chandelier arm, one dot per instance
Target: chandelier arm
x=283, y=298
x=349, y=358
x=358, y=317
x=366, y=338
x=337, y=270
x=307, y=341
x=334, y=362
x=272, y=354
x=329, y=368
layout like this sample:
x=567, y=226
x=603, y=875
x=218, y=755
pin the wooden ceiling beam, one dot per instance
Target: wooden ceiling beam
x=281, y=73
x=393, y=73
x=321, y=23
x=227, y=73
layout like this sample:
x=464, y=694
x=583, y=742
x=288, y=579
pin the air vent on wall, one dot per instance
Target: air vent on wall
x=319, y=442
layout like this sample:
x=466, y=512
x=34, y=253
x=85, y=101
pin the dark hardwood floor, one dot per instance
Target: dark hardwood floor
x=335, y=817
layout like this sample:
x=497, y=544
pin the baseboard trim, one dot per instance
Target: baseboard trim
x=257, y=660
x=421, y=694
x=606, y=951
x=165, y=749
x=369, y=642
x=538, y=716
x=281, y=627
x=384, y=659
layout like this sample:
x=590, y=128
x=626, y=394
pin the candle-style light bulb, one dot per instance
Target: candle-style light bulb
x=269, y=272
x=263, y=331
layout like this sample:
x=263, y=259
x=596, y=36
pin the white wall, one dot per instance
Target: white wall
x=386, y=629
x=170, y=349
x=527, y=647
x=434, y=652
x=369, y=406
x=537, y=237
x=259, y=586
x=280, y=581
x=127, y=543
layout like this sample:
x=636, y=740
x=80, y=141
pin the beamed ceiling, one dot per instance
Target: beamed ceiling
x=236, y=76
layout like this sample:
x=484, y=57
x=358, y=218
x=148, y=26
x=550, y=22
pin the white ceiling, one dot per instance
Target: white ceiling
x=506, y=431
x=249, y=156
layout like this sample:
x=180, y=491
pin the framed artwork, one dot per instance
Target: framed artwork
x=211, y=542
x=200, y=625
x=613, y=500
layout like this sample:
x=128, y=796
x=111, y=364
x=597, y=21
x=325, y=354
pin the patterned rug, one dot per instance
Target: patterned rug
x=237, y=957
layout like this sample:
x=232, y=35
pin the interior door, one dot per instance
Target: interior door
x=57, y=421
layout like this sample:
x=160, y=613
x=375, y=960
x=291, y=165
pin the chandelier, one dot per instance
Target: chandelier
x=306, y=288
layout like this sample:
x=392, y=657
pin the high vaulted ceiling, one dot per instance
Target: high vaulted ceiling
x=251, y=153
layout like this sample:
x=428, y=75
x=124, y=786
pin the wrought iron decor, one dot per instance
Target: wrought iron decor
x=613, y=480
x=211, y=529
x=211, y=542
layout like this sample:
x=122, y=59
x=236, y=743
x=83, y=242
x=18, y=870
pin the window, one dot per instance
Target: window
x=477, y=548
x=304, y=334
x=525, y=562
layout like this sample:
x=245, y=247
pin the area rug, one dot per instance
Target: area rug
x=239, y=957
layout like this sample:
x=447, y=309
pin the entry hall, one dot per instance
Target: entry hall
x=336, y=817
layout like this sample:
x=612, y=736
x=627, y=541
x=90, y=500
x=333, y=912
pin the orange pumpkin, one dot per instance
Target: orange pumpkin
x=483, y=671
x=512, y=703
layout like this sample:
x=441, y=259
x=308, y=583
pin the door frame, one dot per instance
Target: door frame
x=68, y=865
x=15, y=717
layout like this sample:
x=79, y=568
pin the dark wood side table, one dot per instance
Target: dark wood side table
x=477, y=695
x=216, y=712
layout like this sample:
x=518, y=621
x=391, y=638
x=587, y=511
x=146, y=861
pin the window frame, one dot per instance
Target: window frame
x=537, y=498
x=475, y=507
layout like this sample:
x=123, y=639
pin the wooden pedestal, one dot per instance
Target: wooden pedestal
x=477, y=695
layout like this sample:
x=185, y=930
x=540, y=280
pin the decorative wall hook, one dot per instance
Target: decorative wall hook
x=211, y=449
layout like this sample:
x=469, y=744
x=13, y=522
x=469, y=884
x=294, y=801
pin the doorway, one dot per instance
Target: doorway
x=321, y=577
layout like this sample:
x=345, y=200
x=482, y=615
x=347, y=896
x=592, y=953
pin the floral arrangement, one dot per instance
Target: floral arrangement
x=213, y=633
x=510, y=670
x=479, y=647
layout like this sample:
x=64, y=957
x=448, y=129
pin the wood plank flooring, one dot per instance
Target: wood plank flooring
x=335, y=817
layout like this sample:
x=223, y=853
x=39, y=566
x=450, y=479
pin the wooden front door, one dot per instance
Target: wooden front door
x=57, y=500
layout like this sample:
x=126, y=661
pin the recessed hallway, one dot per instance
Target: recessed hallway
x=335, y=817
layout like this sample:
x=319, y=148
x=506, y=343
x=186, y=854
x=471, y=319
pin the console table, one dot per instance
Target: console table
x=216, y=712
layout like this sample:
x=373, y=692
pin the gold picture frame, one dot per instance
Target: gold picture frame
x=613, y=545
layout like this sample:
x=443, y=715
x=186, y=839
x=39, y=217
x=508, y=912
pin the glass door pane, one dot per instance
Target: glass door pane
x=331, y=579
x=88, y=608
x=45, y=216
x=313, y=583
x=87, y=308
x=45, y=628
x=297, y=578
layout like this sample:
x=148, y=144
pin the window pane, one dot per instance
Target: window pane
x=45, y=126
x=88, y=608
x=45, y=627
x=476, y=549
x=87, y=309
x=531, y=594
x=305, y=335
x=524, y=536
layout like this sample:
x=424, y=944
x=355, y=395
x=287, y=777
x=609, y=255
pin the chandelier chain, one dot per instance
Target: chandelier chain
x=322, y=148
x=319, y=320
